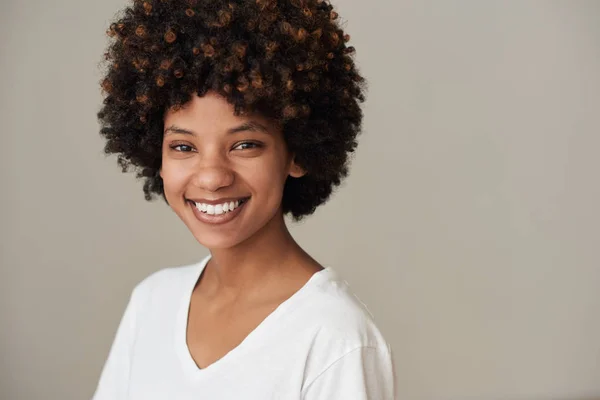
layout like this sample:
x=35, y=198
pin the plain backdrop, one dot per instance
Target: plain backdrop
x=469, y=224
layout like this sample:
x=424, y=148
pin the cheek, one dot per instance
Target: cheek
x=268, y=177
x=174, y=176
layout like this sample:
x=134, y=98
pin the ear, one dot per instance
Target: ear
x=296, y=171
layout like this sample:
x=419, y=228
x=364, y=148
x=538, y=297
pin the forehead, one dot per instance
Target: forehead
x=210, y=112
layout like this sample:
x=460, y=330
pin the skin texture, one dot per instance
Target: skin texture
x=212, y=163
x=255, y=262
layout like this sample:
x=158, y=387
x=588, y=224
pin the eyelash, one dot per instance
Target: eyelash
x=254, y=146
x=174, y=147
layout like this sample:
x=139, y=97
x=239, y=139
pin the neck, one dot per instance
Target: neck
x=267, y=254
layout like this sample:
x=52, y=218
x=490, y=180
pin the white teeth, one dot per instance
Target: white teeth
x=218, y=209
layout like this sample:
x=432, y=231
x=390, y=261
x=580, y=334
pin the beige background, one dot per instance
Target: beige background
x=469, y=225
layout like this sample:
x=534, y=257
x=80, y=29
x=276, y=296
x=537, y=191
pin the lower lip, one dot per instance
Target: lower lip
x=216, y=219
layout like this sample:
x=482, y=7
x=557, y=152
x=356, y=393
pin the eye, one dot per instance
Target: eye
x=182, y=148
x=247, y=146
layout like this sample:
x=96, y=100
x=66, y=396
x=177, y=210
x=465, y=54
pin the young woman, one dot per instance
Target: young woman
x=237, y=113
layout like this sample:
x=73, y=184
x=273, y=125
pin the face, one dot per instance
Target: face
x=223, y=174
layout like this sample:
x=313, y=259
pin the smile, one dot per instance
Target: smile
x=217, y=212
x=218, y=209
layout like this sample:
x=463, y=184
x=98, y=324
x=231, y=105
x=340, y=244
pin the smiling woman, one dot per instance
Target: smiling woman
x=238, y=113
x=225, y=171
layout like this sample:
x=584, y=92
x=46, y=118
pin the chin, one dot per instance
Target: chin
x=218, y=243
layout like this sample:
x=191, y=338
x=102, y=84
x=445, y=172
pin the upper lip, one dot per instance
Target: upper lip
x=219, y=201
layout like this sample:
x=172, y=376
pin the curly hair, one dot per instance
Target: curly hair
x=286, y=60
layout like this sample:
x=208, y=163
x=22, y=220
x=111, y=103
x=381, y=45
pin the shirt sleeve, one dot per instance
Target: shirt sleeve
x=114, y=378
x=365, y=373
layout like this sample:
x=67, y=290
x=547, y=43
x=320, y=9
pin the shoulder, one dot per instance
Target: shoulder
x=341, y=313
x=338, y=320
x=166, y=282
x=343, y=331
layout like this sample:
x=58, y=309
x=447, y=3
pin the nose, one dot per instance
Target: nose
x=213, y=177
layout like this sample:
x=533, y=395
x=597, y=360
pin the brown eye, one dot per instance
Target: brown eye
x=182, y=148
x=246, y=146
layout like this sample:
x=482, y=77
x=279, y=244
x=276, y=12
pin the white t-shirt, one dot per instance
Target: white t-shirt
x=321, y=343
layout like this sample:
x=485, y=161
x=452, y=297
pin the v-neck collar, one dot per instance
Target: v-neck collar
x=188, y=364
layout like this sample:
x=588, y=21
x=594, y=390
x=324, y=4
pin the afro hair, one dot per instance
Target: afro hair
x=286, y=60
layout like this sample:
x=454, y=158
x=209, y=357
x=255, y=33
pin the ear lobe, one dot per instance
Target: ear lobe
x=296, y=171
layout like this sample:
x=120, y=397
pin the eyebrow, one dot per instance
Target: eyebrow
x=251, y=126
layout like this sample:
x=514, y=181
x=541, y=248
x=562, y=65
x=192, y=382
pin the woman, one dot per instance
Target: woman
x=238, y=113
